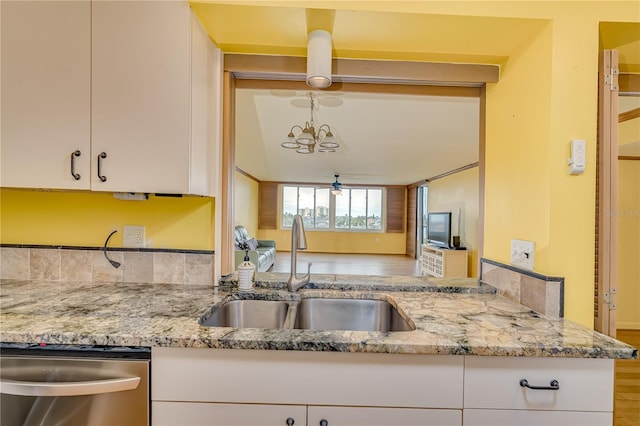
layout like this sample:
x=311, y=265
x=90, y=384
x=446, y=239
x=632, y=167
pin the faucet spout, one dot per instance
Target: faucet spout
x=298, y=242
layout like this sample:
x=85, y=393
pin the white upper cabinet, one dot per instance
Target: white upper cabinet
x=46, y=94
x=143, y=117
x=139, y=83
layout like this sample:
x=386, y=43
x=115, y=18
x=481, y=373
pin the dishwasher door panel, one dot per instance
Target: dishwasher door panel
x=73, y=391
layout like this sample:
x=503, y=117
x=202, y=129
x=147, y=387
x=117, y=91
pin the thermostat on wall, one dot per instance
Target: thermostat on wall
x=578, y=160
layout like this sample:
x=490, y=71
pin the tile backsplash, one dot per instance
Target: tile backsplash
x=55, y=263
x=541, y=293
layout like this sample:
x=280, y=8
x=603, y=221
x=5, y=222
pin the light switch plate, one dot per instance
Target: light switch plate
x=133, y=236
x=522, y=253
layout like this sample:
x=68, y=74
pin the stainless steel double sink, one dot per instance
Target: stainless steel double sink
x=310, y=313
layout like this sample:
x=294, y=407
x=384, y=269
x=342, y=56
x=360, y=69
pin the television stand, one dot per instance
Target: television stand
x=442, y=262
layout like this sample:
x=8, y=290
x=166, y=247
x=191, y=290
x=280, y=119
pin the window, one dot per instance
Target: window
x=356, y=209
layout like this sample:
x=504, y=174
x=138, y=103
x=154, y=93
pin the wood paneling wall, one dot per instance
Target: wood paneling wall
x=395, y=208
x=268, y=205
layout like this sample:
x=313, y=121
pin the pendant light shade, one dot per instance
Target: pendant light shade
x=319, y=59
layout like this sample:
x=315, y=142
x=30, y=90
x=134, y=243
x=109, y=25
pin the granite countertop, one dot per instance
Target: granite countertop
x=452, y=316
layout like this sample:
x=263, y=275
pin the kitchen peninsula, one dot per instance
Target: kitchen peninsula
x=463, y=329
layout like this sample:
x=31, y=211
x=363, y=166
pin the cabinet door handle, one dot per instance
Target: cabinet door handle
x=554, y=385
x=100, y=158
x=324, y=422
x=290, y=421
x=74, y=154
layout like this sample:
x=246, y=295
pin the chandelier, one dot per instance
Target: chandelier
x=309, y=136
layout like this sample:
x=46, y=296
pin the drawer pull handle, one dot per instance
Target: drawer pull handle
x=102, y=156
x=324, y=422
x=74, y=154
x=290, y=421
x=554, y=385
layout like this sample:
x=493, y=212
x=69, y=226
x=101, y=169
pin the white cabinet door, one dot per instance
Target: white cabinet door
x=198, y=414
x=379, y=416
x=46, y=100
x=141, y=90
x=535, y=418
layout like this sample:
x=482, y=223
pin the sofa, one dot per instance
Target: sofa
x=263, y=256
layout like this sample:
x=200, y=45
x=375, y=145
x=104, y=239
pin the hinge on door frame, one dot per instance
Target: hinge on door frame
x=607, y=298
x=609, y=78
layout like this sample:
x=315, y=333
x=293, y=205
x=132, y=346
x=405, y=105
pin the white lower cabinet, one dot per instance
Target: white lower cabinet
x=535, y=418
x=252, y=387
x=199, y=414
x=208, y=413
x=381, y=416
x=494, y=393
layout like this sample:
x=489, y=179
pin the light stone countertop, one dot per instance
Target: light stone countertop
x=452, y=316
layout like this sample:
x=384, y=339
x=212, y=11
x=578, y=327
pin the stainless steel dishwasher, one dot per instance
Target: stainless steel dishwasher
x=66, y=385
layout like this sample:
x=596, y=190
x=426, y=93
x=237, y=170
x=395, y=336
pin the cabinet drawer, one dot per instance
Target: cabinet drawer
x=535, y=418
x=378, y=416
x=198, y=414
x=314, y=378
x=494, y=382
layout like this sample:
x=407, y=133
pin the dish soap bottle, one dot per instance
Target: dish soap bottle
x=246, y=273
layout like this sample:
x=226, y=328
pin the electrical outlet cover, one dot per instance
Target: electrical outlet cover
x=522, y=253
x=133, y=236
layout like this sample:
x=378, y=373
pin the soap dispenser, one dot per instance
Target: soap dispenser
x=246, y=273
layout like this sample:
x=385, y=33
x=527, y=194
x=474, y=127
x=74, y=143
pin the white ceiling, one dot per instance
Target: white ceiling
x=385, y=139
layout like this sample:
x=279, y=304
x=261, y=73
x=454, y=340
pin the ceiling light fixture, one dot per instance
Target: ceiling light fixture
x=319, y=59
x=309, y=137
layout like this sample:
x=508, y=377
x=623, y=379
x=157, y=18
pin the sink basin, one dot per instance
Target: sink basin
x=319, y=313
x=249, y=314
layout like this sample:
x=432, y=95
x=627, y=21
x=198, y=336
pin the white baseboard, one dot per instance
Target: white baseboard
x=627, y=325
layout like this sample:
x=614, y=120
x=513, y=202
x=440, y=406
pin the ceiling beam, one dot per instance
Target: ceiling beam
x=364, y=71
x=395, y=89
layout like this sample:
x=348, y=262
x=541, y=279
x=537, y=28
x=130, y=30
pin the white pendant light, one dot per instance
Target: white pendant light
x=319, y=59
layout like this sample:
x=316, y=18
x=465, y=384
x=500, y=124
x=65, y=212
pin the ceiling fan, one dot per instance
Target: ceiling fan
x=336, y=186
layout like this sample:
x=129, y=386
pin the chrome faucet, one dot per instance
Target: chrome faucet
x=298, y=242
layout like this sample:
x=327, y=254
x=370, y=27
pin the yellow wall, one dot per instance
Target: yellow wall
x=517, y=170
x=628, y=314
x=87, y=218
x=246, y=203
x=629, y=131
x=460, y=192
x=544, y=100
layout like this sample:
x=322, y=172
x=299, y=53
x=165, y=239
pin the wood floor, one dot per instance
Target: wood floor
x=626, y=411
x=353, y=264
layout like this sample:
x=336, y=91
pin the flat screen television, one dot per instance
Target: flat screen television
x=439, y=229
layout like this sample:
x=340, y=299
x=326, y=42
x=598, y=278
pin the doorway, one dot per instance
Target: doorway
x=236, y=69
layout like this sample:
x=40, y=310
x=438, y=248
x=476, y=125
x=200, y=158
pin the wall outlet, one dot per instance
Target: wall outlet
x=133, y=236
x=522, y=253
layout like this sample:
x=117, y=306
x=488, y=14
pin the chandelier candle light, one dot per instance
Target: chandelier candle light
x=306, y=141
